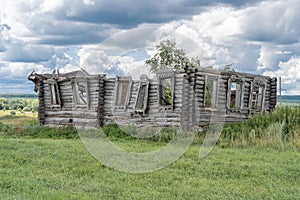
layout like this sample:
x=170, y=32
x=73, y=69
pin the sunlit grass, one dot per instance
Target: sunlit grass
x=19, y=119
x=63, y=169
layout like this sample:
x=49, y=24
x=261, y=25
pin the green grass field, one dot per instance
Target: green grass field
x=38, y=163
x=19, y=119
x=63, y=169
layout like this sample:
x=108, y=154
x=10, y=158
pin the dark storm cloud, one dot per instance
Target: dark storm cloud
x=85, y=21
x=132, y=12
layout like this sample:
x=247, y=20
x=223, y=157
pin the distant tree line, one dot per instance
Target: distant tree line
x=19, y=96
x=23, y=105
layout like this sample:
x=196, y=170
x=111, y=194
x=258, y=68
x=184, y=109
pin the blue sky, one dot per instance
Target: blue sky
x=261, y=37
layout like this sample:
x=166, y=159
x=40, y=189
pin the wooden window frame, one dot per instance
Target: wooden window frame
x=261, y=84
x=76, y=94
x=239, y=96
x=118, y=81
x=144, y=81
x=54, y=94
x=165, y=74
x=214, y=98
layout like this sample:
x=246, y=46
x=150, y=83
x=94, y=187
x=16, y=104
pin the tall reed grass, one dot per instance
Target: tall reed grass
x=280, y=128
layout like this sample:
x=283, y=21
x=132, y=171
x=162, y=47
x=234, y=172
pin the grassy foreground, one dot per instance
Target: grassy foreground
x=63, y=169
x=257, y=159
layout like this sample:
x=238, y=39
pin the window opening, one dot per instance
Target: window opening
x=166, y=97
x=54, y=94
x=234, y=96
x=165, y=88
x=141, y=97
x=257, y=97
x=81, y=93
x=122, y=92
x=211, y=86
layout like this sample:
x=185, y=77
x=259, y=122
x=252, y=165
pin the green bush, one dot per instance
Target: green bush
x=19, y=104
x=12, y=112
x=115, y=132
x=5, y=128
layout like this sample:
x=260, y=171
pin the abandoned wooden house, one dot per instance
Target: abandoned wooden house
x=184, y=98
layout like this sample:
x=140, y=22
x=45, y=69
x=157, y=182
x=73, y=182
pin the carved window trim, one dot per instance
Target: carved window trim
x=119, y=82
x=161, y=75
x=78, y=100
x=214, y=97
x=54, y=94
x=239, y=94
x=144, y=83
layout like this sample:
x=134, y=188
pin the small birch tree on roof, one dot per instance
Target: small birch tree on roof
x=168, y=56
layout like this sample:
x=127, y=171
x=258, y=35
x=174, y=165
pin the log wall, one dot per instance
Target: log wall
x=187, y=111
x=155, y=115
x=221, y=113
x=89, y=116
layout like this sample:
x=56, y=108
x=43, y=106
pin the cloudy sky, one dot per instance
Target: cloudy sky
x=261, y=37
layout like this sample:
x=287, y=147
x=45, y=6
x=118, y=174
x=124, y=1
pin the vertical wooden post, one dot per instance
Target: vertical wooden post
x=280, y=91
